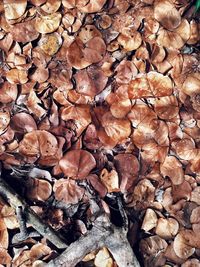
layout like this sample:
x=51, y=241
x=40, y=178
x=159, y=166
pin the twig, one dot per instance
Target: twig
x=31, y=217
x=24, y=233
x=22, y=223
x=102, y=234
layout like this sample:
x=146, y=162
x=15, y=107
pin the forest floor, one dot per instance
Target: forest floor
x=99, y=133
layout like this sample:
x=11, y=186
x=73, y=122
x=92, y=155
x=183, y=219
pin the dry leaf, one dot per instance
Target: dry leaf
x=50, y=43
x=127, y=167
x=48, y=24
x=91, y=6
x=14, y=9
x=103, y=258
x=80, y=114
x=110, y=180
x=39, y=190
x=17, y=76
x=39, y=251
x=8, y=92
x=68, y=191
x=130, y=40
x=4, y=121
x=77, y=164
x=51, y=6
x=166, y=13
x=181, y=248
x=23, y=123
x=172, y=168
x=150, y=220
x=91, y=81
x=24, y=31
x=10, y=219
x=167, y=228
x=5, y=258
x=153, y=84
x=117, y=129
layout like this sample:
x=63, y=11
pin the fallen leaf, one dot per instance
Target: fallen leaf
x=166, y=13
x=167, y=228
x=77, y=164
x=50, y=43
x=68, y=191
x=110, y=180
x=48, y=24
x=127, y=167
x=103, y=259
x=90, y=81
x=153, y=84
x=181, y=248
x=172, y=168
x=13, y=9
x=24, y=32
x=39, y=190
x=150, y=220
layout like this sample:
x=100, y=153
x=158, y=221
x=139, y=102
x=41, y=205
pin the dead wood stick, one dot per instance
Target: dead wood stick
x=102, y=234
x=118, y=245
x=31, y=217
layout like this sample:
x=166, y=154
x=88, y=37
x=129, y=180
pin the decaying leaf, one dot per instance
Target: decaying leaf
x=99, y=125
x=172, y=168
x=91, y=81
x=50, y=43
x=68, y=191
x=153, y=84
x=48, y=24
x=181, y=248
x=39, y=190
x=150, y=220
x=77, y=164
x=166, y=13
x=14, y=9
x=103, y=259
x=167, y=228
x=110, y=180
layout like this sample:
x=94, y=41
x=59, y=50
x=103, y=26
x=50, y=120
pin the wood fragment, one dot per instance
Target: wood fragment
x=102, y=234
x=15, y=201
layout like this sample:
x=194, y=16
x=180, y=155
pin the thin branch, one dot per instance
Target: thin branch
x=92, y=241
x=31, y=217
x=102, y=234
x=22, y=223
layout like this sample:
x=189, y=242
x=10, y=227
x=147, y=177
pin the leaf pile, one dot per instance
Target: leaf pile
x=102, y=95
